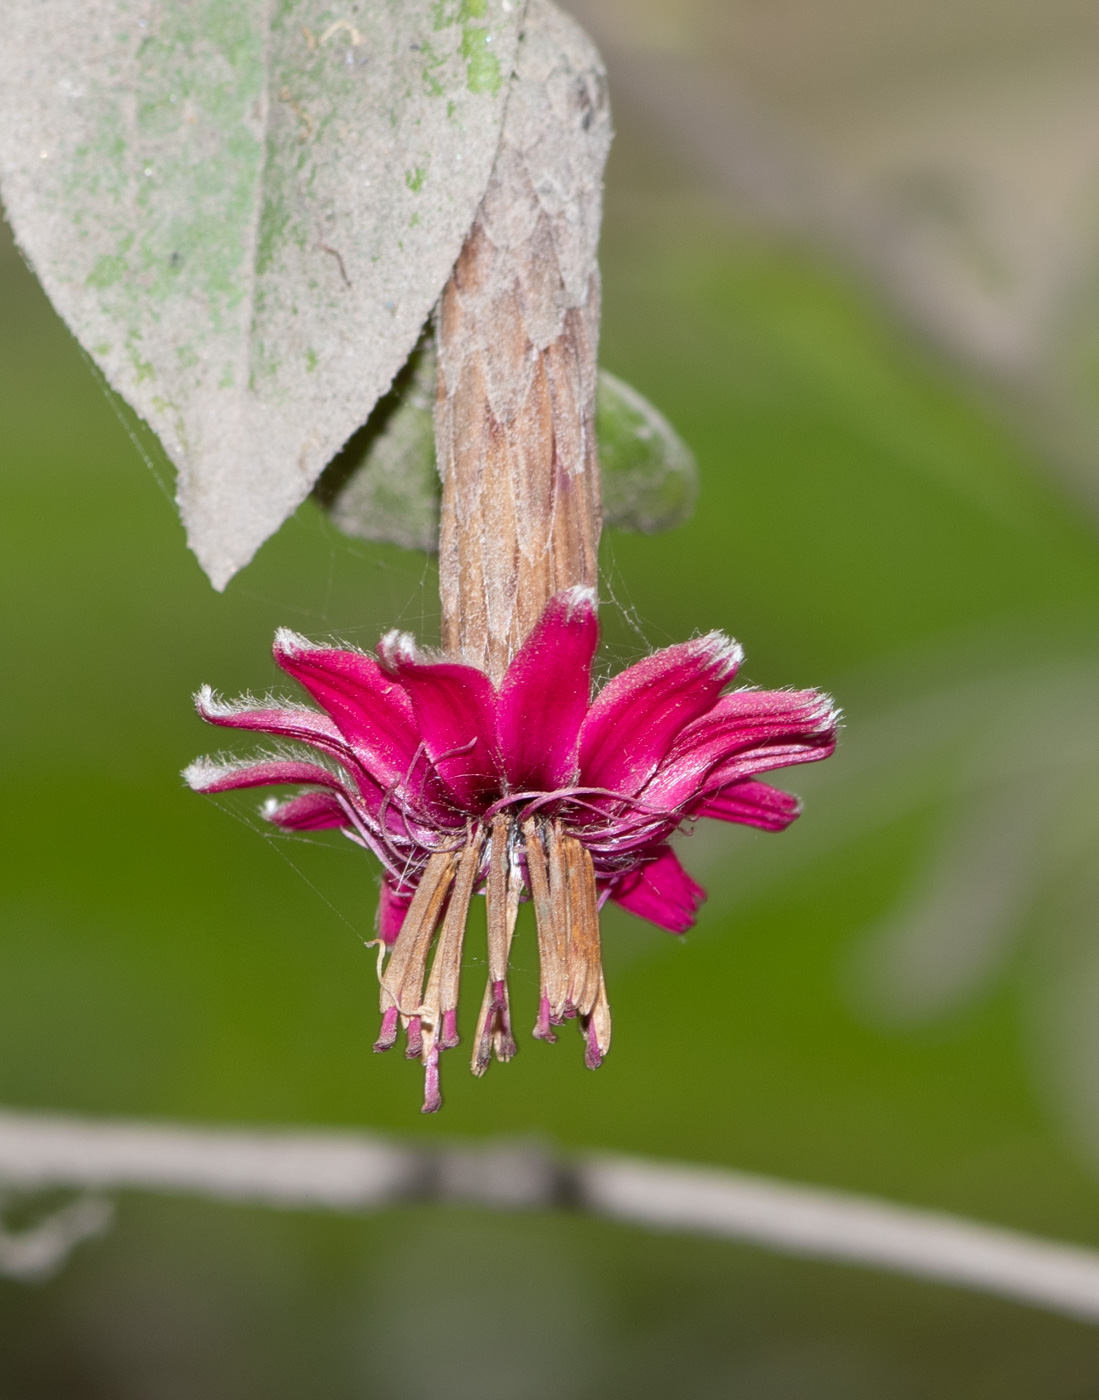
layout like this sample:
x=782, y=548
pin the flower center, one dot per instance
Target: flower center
x=510, y=858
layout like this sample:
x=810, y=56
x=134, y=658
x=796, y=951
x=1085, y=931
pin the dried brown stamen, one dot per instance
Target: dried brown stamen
x=441, y=998
x=559, y=898
x=503, y=1042
x=561, y=877
x=551, y=935
x=403, y=978
x=597, y=1030
x=439, y=1011
x=584, y=964
x=502, y=894
x=496, y=895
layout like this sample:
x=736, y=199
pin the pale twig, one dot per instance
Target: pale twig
x=820, y=1224
x=356, y=1171
x=38, y=1251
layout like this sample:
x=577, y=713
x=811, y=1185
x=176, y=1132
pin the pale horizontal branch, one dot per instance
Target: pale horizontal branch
x=355, y=1171
x=820, y=1224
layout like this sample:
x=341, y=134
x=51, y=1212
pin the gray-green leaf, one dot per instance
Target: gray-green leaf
x=649, y=475
x=245, y=213
x=384, y=485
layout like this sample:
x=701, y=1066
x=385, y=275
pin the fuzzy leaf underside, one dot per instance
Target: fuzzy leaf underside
x=648, y=473
x=384, y=485
x=245, y=210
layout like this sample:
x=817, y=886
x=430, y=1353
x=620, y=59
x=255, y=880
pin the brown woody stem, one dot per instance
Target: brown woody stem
x=521, y=507
x=517, y=333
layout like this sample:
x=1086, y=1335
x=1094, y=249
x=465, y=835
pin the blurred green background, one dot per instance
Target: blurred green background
x=895, y=997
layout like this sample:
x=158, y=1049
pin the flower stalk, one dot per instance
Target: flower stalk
x=517, y=332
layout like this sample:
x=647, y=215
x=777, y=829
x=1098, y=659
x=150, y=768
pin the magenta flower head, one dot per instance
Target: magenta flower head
x=530, y=790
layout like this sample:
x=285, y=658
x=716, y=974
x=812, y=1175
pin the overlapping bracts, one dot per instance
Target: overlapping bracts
x=529, y=788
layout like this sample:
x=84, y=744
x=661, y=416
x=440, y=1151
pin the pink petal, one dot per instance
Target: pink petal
x=304, y=726
x=370, y=707
x=455, y=710
x=637, y=715
x=544, y=695
x=661, y=892
x=208, y=775
x=766, y=759
x=750, y=732
x=751, y=804
x=284, y=722
x=392, y=907
x=311, y=811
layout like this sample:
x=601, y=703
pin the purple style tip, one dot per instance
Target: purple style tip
x=387, y=1036
x=593, y=1056
x=541, y=1029
x=433, y=1099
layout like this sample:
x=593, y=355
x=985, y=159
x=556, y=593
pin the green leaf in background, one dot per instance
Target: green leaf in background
x=245, y=214
x=384, y=485
x=648, y=473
